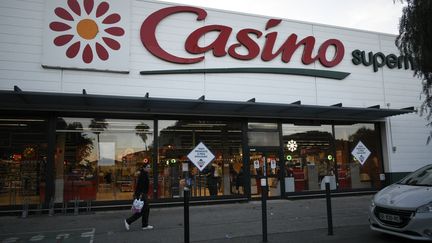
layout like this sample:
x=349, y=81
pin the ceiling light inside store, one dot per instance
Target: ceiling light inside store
x=184, y=130
x=13, y=125
x=23, y=120
x=204, y=125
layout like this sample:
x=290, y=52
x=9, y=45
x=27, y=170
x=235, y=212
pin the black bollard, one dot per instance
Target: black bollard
x=264, y=200
x=264, y=208
x=25, y=209
x=39, y=209
x=329, y=209
x=186, y=191
x=51, y=207
x=186, y=214
x=76, y=206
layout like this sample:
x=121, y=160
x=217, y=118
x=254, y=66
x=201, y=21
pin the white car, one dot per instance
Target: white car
x=405, y=208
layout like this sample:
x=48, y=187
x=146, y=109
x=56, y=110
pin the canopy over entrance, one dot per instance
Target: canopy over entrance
x=86, y=103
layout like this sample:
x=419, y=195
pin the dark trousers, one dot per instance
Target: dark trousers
x=212, y=186
x=145, y=211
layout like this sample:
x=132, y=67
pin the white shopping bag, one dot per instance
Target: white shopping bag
x=137, y=205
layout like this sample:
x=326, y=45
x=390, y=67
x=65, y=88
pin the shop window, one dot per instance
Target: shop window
x=308, y=156
x=355, y=174
x=23, y=157
x=97, y=159
x=223, y=176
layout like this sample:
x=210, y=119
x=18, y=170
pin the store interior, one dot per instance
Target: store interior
x=97, y=159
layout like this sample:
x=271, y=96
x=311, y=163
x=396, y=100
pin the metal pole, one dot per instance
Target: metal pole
x=76, y=205
x=186, y=191
x=25, y=208
x=39, y=209
x=51, y=207
x=264, y=200
x=329, y=209
x=186, y=214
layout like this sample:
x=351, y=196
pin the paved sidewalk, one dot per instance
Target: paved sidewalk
x=351, y=234
x=288, y=221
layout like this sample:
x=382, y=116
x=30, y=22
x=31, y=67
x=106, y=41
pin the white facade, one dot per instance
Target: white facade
x=23, y=24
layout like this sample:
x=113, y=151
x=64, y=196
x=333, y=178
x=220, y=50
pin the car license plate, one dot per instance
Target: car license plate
x=390, y=217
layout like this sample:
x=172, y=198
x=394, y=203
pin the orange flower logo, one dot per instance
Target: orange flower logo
x=84, y=27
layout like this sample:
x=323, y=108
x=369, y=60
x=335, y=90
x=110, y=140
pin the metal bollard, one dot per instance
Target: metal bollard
x=329, y=208
x=186, y=195
x=88, y=206
x=264, y=194
x=25, y=209
x=39, y=209
x=264, y=207
x=76, y=205
x=51, y=207
x=65, y=205
x=186, y=214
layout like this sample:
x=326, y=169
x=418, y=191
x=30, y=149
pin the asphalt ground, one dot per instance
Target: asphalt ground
x=288, y=221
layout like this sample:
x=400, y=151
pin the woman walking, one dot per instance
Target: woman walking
x=141, y=191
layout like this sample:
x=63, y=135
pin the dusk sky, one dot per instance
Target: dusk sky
x=372, y=15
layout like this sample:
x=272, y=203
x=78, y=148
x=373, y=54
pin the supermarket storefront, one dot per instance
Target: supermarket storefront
x=113, y=86
x=64, y=154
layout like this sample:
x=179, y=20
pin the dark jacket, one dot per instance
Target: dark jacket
x=142, y=185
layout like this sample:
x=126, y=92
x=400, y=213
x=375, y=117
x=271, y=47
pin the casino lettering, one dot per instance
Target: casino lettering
x=245, y=38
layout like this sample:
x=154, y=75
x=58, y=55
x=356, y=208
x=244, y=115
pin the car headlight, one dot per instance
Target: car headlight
x=425, y=208
x=372, y=203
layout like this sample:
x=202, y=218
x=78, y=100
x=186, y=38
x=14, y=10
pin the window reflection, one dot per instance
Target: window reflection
x=223, y=176
x=352, y=173
x=96, y=159
x=259, y=159
x=308, y=153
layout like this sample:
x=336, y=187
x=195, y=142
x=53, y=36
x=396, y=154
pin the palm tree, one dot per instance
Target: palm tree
x=98, y=125
x=141, y=131
x=84, y=144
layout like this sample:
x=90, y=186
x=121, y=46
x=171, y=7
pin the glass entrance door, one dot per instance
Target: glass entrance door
x=258, y=161
x=309, y=157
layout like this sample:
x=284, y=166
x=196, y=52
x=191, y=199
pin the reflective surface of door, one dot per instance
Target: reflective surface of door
x=269, y=160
